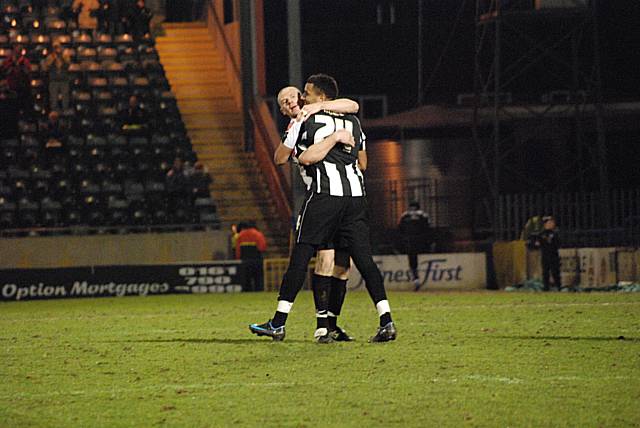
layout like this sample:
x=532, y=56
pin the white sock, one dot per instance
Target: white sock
x=284, y=306
x=383, y=307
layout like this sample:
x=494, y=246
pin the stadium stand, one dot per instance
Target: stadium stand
x=101, y=165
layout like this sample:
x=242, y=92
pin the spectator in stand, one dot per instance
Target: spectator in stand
x=199, y=181
x=66, y=7
x=54, y=132
x=134, y=118
x=177, y=169
x=139, y=19
x=17, y=71
x=57, y=65
x=8, y=111
x=110, y=15
x=250, y=245
x=114, y=17
x=414, y=227
x=176, y=183
x=54, y=128
x=71, y=13
x=101, y=14
x=38, y=7
x=188, y=169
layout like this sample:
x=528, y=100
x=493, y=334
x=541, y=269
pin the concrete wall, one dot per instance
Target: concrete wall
x=146, y=248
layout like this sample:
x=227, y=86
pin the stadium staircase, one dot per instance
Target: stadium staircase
x=213, y=120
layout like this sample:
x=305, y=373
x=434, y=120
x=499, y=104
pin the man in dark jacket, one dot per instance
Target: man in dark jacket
x=414, y=227
x=549, y=244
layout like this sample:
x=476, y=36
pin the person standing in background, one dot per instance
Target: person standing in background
x=57, y=65
x=414, y=227
x=549, y=244
x=250, y=246
x=17, y=71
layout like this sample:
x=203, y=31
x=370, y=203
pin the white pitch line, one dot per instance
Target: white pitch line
x=155, y=388
x=483, y=379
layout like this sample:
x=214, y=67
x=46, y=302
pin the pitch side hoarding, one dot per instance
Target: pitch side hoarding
x=450, y=271
x=117, y=281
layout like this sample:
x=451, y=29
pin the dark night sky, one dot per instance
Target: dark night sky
x=342, y=38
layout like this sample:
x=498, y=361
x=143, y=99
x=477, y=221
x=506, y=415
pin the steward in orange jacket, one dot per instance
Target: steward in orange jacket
x=250, y=244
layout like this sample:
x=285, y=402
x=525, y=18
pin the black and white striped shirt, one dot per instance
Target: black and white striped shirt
x=338, y=173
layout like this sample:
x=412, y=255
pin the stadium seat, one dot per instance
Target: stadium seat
x=107, y=53
x=101, y=170
x=210, y=218
x=7, y=213
x=40, y=188
x=95, y=141
x=72, y=217
x=124, y=39
x=117, y=211
x=134, y=192
x=139, y=216
x=181, y=216
x=27, y=213
x=204, y=205
x=104, y=39
x=89, y=188
x=63, y=39
x=82, y=38
x=51, y=212
x=38, y=173
x=6, y=192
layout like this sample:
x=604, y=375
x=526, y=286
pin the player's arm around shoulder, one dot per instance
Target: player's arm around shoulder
x=362, y=160
x=319, y=151
x=286, y=146
x=341, y=105
x=282, y=154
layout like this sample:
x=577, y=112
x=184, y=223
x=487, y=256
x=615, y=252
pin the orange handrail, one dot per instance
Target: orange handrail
x=265, y=132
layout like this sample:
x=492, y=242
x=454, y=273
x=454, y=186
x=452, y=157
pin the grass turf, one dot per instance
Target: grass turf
x=477, y=359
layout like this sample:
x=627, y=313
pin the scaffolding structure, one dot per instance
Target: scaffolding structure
x=538, y=64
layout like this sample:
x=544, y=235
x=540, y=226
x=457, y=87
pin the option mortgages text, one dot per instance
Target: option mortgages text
x=117, y=281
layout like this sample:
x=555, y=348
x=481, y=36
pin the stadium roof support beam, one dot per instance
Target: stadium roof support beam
x=247, y=54
x=295, y=44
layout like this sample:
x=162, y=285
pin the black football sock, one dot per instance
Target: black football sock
x=321, y=286
x=279, y=319
x=336, y=300
x=332, y=321
x=384, y=311
x=385, y=319
x=292, y=281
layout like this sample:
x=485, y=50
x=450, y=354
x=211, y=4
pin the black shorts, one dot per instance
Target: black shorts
x=332, y=221
x=318, y=219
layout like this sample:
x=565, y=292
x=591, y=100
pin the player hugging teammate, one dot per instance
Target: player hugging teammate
x=326, y=145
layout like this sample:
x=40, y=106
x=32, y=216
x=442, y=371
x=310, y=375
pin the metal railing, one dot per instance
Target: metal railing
x=585, y=218
x=444, y=200
x=275, y=268
x=80, y=230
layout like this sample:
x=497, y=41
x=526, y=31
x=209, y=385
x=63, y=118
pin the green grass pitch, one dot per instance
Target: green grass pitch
x=461, y=359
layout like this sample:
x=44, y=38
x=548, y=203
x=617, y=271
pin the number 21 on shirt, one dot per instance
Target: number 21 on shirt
x=330, y=125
